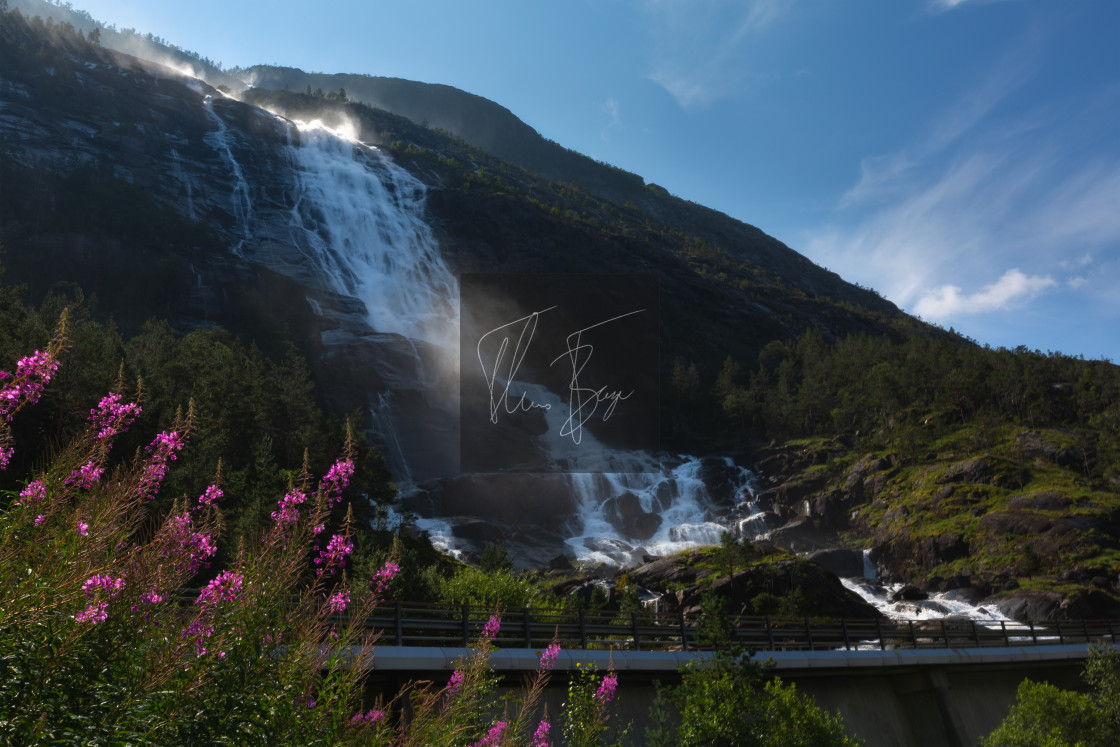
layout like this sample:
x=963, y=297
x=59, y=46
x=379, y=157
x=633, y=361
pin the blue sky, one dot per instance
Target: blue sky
x=962, y=157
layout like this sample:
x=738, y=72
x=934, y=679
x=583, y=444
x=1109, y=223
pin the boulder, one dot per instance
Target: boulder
x=975, y=470
x=625, y=514
x=909, y=593
x=844, y=563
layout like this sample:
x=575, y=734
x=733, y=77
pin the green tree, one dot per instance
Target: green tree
x=1049, y=716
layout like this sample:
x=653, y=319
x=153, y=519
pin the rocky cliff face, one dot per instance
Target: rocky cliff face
x=162, y=196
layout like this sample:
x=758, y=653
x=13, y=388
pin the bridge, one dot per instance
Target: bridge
x=908, y=682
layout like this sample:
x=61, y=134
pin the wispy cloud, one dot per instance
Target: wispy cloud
x=940, y=6
x=614, y=113
x=881, y=174
x=995, y=181
x=699, y=49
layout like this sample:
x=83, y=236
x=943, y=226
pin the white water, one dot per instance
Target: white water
x=363, y=218
x=938, y=605
x=240, y=199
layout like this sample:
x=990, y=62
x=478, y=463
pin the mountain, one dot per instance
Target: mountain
x=347, y=226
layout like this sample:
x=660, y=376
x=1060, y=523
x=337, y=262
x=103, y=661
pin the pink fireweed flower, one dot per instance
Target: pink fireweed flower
x=490, y=630
x=6, y=456
x=33, y=493
x=548, y=658
x=380, y=581
x=32, y=375
x=605, y=693
x=86, y=477
x=334, y=557
x=370, y=718
x=318, y=529
x=83, y=528
x=163, y=449
x=188, y=547
x=148, y=597
x=540, y=736
x=337, y=602
x=289, y=511
x=336, y=480
x=455, y=682
x=212, y=495
x=225, y=587
x=93, y=614
x=111, y=416
x=101, y=582
x=40, y=519
x=494, y=737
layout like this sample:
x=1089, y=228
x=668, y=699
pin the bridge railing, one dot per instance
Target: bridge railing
x=416, y=624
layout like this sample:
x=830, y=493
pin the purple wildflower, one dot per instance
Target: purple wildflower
x=490, y=630
x=370, y=718
x=33, y=493
x=605, y=693
x=40, y=519
x=6, y=455
x=334, y=557
x=163, y=449
x=224, y=588
x=148, y=597
x=548, y=658
x=540, y=736
x=111, y=417
x=87, y=476
x=32, y=375
x=111, y=586
x=212, y=495
x=94, y=614
x=289, y=511
x=336, y=480
x=337, y=602
x=455, y=682
x=191, y=547
x=380, y=581
x=83, y=528
x=494, y=737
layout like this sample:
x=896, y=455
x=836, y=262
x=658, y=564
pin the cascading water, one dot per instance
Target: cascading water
x=241, y=200
x=362, y=217
x=357, y=220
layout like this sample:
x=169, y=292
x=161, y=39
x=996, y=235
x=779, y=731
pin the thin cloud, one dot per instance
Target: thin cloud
x=941, y=6
x=880, y=174
x=699, y=49
x=1012, y=289
x=614, y=113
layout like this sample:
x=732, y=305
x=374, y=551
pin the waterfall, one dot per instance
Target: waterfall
x=357, y=220
x=241, y=201
x=869, y=571
x=362, y=217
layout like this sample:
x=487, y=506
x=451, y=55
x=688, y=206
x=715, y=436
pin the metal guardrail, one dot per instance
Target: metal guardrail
x=416, y=624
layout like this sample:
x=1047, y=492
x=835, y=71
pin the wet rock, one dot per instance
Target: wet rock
x=818, y=592
x=560, y=563
x=721, y=479
x=909, y=593
x=1026, y=606
x=844, y=563
x=625, y=514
